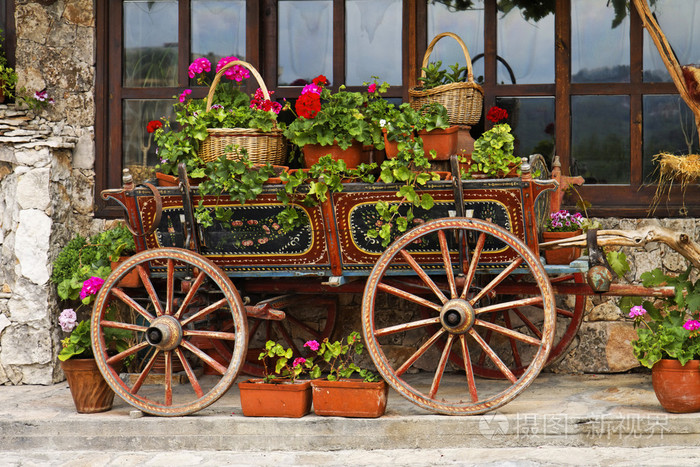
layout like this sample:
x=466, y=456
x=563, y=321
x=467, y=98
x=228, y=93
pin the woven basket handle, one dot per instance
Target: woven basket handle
x=431, y=46
x=219, y=74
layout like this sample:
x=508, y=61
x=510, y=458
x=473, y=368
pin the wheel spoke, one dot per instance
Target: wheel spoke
x=130, y=351
x=468, y=368
x=492, y=355
x=286, y=336
x=441, y=366
x=408, y=296
x=423, y=275
x=418, y=353
x=292, y=320
x=497, y=280
x=168, y=378
x=204, y=312
x=170, y=288
x=121, y=295
x=144, y=373
x=229, y=336
x=566, y=313
x=445, y=252
x=530, y=325
x=508, y=305
x=517, y=362
x=190, y=295
x=508, y=332
x=117, y=325
x=146, y=280
x=476, y=254
x=406, y=326
x=190, y=374
x=204, y=357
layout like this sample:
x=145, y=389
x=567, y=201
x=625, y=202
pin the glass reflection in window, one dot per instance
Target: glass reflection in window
x=526, y=45
x=532, y=121
x=600, y=47
x=150, y=43
x=305, y=41
x=669, y=126
x=600, y=138
x=680, y=22
x=465, y=21
x=218, y=30
x=139, y=148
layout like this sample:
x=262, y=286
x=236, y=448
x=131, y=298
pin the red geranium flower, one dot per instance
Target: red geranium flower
x=153, y=125
x=496, y=114
x=321, y=80
x=308, y=105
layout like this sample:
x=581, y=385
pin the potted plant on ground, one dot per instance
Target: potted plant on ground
x=335, y=123
x=669, y=339
x=562, y=224
x=278, y=394
x=493, y=151
x=338, y=394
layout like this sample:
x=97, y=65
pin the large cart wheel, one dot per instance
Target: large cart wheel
x=458, y=313
x=163, y=323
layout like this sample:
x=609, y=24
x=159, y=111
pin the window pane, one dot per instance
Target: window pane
x=600, y=138
x=600, y=48
x=218, y=30
x=680, y=22
x=150, y=43
x=465, y=21
x=305, y=41
x=373, y=48
x=526, y=46
x=532, y=121
x=669, y=126
x=139, y=149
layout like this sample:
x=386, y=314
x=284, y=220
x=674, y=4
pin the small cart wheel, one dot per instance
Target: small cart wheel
x=458, y=314
x=162, y=324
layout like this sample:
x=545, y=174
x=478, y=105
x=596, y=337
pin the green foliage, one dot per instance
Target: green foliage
x=8, y=76
x=668, y=328
x=436, y=76
x=493, y=152
x=79, y=344
x=339, y=359
x=618, y=262
x=274, y=352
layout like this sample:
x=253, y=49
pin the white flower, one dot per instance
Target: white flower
x=67, y=320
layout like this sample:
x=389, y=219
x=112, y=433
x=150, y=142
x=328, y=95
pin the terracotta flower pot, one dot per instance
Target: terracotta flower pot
x=283, y=399
x=91, y=393
x=349, y=398
x=677, y=387
x=444, y=142
x=391, y=148
x=132, y=278
x=561, y=255
x=353, y=155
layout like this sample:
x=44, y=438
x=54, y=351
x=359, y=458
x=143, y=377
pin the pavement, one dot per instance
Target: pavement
x=559, y=420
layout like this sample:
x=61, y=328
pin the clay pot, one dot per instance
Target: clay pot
x=353, y=155
x=444, y=142
x=349, y=398
x=561, y=255
x=391, y=148
x=283, y=399
x=677, y=387
x=132, y=278
x=91, y=393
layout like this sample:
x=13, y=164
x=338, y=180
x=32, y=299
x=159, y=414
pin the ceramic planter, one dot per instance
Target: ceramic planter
x=353, y=155
x=677, y=387
x=91, y=393
x=131, y=279
x=391, y=148
x=283, y=399
x=349, y=398
x=561, y=255
x=443, y=142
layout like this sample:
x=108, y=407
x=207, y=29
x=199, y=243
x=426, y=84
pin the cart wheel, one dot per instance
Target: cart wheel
x=167, y=318
x=302, y=323
x=458, y=314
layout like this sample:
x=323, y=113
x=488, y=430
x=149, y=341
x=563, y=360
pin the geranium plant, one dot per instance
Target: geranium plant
x=669, y=328
x=281, y=357
x=338, y=357
x=564, y=221
x=493, y=150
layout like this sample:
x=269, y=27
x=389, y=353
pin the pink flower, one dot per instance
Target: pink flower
x=372, y=88
x=298, y=361
x=311, y=88
x=692, y=325
x=313, y=345
x=198, y=66
x=184, y=94
x=237, y=72
x=637, y=311
x=67, y=320
x=91, y=287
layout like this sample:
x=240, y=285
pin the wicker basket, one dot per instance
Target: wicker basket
x=464, y=100
x=262, y=147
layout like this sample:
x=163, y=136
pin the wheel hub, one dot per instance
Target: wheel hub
x=457, y=316
x=165, y=333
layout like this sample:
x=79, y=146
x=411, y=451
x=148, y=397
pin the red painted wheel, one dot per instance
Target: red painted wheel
x=461, y=317
x=165, y=321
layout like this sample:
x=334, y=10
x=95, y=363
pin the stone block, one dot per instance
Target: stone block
x=29, y=302
x=607, y=311
x=34, y=157
x=23, y=345
x=33, y=190
x=4, y=322
x=84, y=153
x=32, y=244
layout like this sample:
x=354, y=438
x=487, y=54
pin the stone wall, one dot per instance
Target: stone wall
x=46, y=180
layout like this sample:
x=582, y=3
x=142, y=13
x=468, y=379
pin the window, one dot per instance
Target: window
x=580, y=78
